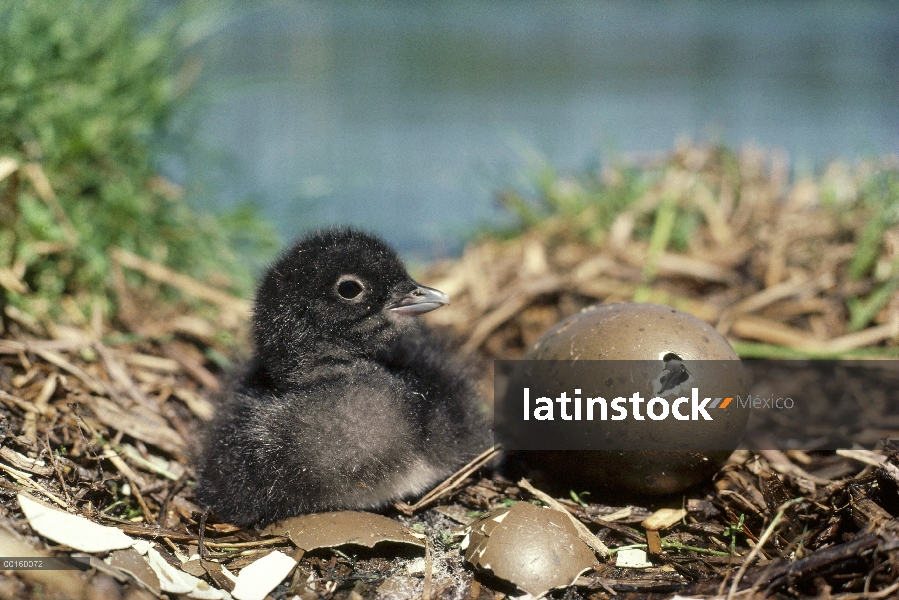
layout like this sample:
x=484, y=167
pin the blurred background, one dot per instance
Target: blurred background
x=205, y=134
x=407, y=117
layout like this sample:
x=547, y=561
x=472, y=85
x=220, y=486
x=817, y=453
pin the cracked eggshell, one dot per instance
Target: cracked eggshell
x=332, y=529
x=536, y=549
x=646, y=332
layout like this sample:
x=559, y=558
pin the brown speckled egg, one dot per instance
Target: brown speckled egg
x=630, y=331
x=646, y=333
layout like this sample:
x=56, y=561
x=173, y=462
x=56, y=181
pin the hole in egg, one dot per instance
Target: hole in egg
x=674, y=376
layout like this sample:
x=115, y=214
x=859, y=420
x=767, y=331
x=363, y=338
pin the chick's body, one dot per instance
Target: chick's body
x=349, y=403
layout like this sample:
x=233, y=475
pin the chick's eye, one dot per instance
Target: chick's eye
x=349, y=289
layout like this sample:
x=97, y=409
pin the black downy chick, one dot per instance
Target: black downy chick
x=349, y=402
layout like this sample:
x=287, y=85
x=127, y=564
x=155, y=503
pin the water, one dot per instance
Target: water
x=406, y=117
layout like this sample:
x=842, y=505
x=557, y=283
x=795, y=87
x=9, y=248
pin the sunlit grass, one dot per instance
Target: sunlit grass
x=88, y=93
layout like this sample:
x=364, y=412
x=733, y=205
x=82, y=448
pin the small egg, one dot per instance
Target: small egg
x=646, y=456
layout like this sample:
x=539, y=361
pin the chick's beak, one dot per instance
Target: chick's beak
x=420, y=300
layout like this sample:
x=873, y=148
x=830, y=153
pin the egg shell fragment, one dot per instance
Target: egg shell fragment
x=536, y=549
x=332, y=529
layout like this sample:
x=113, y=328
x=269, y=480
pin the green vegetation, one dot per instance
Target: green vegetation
x=732, y=530
x=815, y=256
x=584, y=206
x=88, y=95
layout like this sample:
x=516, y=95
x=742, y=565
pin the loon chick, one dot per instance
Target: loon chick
x=349, y=402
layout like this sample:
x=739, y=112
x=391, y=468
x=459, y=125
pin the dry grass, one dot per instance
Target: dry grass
x=807, y=268
x=98, y=416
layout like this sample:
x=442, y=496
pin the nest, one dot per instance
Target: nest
x=782, y=270
x=97, y=417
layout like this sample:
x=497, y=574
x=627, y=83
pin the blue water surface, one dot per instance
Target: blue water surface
x=405, y=117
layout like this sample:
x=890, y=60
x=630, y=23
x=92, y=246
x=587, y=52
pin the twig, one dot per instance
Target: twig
x=782, y=464
x=193, y=367
x=515, y=303
x=863, y=456
x=452, y=482
x=766, y=330
x=23, y=405
x=143, y=504
x=55, y=359
x=201, y=534
x=184, y=283
x=11, y=282
x=113, y=457
x=869, y=458
x=16, y=346
x=133, y=455
x=273, y=541
x=429, y=569
x=118, y=374
x=174, y=489
x=135, y=479
x=885, y=592
x=40, y=406
x=149, y=361
x=780, y=291
x=27, y=482
x=45, y=192
x=758, y=547
x=55, y=462
x=671, y=545
x=8, y=166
